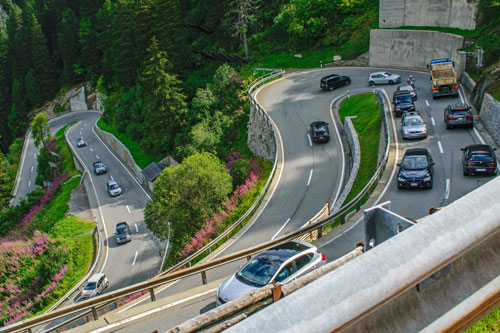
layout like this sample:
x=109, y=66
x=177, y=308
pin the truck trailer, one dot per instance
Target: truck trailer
x=443, y=78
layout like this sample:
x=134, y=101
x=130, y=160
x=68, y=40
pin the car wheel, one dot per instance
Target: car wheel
x=430, y=185
x=448, y=126
x=464, y=172
x=331, y=88
x=391, y=82
x=371, y=83
x=348, y=82
x=471, y=126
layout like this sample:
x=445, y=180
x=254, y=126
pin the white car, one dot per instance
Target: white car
x=383, y=78
x=94, y=286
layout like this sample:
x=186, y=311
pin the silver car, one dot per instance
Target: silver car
x=278, y=265
x=94, y=286
x=114, y=188
x=413, y=126
x=383, y=78
x=410, y=90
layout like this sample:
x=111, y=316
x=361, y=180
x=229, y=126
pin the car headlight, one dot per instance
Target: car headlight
x=401, y=179
x=405, y=131
x=427, y=179
x=424, y=130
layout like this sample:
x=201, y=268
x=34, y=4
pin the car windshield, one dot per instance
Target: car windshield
x=258, y=271
x=414, y=162
x=89, y=286
x=320, y=131
x=113, y=186
x=481, y=157
x=98, y=165
x=412, y=122
x=403, y=99
x=121, y=229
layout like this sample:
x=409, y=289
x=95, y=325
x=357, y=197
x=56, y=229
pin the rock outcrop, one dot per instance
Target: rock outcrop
x=491, y=79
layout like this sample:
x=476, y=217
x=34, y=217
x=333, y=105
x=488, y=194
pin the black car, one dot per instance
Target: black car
x=458, y=115
x=99, y=168
x=403, y=102
x=333, y=81
x=122, y=233
x=320, y=131
x=479, y=159
x=416, y=169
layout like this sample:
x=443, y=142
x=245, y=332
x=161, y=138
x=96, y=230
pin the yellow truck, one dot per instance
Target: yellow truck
x=443, y=78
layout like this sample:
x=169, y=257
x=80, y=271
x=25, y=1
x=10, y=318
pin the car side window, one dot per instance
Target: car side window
x=285, y=272
x=303, y=261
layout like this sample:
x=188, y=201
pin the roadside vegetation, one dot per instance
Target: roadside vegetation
x=44, y=251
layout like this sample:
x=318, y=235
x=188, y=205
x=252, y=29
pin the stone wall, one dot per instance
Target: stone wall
x=260, y=132
x=467, y=82
x=3, y=16
x=123, y=153
x=414, y=48
x=490, y=116
x=427, y=13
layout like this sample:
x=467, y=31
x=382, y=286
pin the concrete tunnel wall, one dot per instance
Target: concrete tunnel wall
x=427, y=13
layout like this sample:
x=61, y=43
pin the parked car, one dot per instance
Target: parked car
x=383, y=78
x=458, y=115
x=99, y=168
x=413, y=126
x=416, y=169
x=94, y=286
x=114, y=188
x=319, y=131
x=122, y=233
x=278, y=265
x=80, y=143
x=402, y=102
x=479, y=160
x=409, y=89
x=333, y=81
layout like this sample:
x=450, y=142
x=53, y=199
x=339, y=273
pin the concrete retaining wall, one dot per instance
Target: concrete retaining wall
x=414, y=48
x=490, y=116
x=467, y=82
x=123, y=153
x=427, y=13
x=260, y=133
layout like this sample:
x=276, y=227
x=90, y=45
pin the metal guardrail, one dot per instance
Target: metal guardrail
x=92, y=306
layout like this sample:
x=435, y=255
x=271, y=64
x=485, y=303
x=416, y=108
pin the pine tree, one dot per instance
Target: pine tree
x=90, y=57
x=69, y=46
x=18, y=115
x=5, y=74
x=5, y=182
x=32, y=95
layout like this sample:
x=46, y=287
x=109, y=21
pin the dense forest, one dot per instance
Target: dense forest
x=145, y=54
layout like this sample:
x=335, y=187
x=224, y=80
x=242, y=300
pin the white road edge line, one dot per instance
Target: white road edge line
x=427, y=103
x=150, y=312
x=447, y=190
x=29, y=183
x=440, y=147
x=135, y=258
x=92, y=150
x=309, y=138
x=97, y=156
x=310, y=176
x=283, y=226
x=128, y=209
x=433, y=122
x=34, y=156
x=136, y=228
x=32, y=167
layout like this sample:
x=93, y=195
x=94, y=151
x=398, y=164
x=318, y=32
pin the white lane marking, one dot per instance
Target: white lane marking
x=309, y=138
x=97, y=156
x=479, y=136
x=135, y=258
x=277, y=233
x=447, y=190
x=92, y=150
x=427, y=103
x=34, y=156
x=433, y=122
x=440, y=147
x=310, y=176
x=127, y=208
x=29, y=183
x=150, y=312
x=80, y=133
x=136, y=228
x=32, y=167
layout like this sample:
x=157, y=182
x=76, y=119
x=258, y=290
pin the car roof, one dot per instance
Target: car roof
x=459, y=106
x=319, y=123
x=96, y=162
x=480, y=147
x=112, y=181
x=416, y=152
x=401, y=93
x=412, y=114
x=283, y=252
x=404, y=88
x=329, y=76
x=95, y=277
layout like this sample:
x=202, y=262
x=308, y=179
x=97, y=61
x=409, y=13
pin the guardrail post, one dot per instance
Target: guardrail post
x=320, y=231
x=152, y=294
x=342, y=219
x=204, y=277
x=94, y=313
x=358, y=206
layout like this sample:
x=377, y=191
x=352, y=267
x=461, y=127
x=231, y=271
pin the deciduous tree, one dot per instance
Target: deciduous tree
x=40, y=129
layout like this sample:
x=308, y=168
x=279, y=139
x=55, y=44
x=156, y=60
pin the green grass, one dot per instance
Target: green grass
x=489, y=323
x=455, y=31
x=142, y=159
x=66, y=164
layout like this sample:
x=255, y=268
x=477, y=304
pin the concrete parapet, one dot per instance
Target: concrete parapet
x=123, y=153
x=414, y=48
x=467, y=82
x=427, y=13
x=490, y=116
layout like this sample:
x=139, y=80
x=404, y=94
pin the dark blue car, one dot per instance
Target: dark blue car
x=416, y=169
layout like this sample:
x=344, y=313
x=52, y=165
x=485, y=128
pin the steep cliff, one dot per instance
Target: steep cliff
x=488, y=83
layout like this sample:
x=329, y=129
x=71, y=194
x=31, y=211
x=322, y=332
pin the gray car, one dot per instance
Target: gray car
x=113, y=187
x=278, y=265
x=383, y=78
x=413, y=126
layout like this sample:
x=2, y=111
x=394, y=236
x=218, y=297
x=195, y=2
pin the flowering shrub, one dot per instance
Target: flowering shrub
x=228, y=207
x=231, y=158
